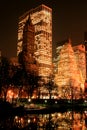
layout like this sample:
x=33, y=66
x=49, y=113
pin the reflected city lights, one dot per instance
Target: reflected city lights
x=69, y=120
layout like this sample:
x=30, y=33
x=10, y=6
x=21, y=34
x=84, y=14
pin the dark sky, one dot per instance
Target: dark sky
x=69, y=20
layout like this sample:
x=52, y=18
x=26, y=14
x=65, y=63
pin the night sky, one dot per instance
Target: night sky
x=69, y=20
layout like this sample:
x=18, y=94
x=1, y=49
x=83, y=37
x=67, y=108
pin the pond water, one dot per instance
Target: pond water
x=69, y=120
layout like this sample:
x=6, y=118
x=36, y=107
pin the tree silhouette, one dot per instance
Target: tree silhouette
x=30, y=69
x=4, y=76
x=50, y=85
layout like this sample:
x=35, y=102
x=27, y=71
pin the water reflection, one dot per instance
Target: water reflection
x=70, y=120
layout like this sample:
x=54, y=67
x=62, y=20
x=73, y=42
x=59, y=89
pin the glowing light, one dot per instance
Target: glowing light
x=45, y=101
x=10, y=94
x=29, y=100
x=29, y=120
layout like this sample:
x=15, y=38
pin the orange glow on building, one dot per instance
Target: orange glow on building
x=70, y=70
x=41, y=18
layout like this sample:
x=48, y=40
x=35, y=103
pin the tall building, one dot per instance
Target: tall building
x=41, y=18
x=28, y=42
x=79, y=52
x=70, y=66
x=29, y=48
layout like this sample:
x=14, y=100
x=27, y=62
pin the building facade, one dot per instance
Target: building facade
x=41, y=18
x=28, y=41
x=28, y=50
x=70, y=70
x=79, y=51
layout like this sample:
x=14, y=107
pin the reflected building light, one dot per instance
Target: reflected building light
x=66, y=120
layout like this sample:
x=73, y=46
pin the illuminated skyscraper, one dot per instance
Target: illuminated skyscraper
x=79, y=51
x=28, y=48
x=41, y=18
x=70, y=66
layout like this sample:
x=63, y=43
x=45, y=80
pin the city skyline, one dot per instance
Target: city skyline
x=69, y=20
